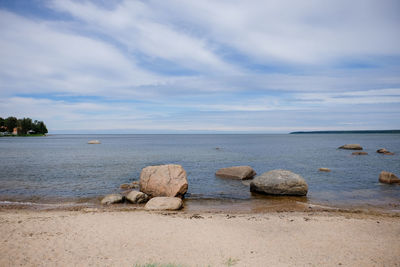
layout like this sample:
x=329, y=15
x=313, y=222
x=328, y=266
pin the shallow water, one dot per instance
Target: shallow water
x=65, y=168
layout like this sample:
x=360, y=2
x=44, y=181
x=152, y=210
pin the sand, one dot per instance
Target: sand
x=124, y=238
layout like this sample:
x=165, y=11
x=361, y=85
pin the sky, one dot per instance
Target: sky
x=225, y=66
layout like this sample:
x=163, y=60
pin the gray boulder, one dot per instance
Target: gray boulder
x=279, y=182
x=137, y=197
x=351, y=147
x=236, y=172
x=164, y=203
x=112, y=199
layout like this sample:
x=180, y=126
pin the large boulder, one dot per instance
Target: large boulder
x=112, y=199
x=351, y=147
x=164, y=203
x=279, y=182
x=164, y=181
x=137, y=197
x=236, y=172
x=388, y=178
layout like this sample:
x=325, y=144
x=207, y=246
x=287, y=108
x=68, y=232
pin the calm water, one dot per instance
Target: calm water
x=65, y=167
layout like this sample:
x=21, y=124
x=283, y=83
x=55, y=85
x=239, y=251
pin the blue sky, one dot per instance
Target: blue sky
x=201, y=66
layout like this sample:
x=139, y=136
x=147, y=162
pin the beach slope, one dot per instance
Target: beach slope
x=121, y=238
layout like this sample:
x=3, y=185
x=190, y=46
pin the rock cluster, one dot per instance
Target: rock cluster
x=236, y=172
x=164, y=184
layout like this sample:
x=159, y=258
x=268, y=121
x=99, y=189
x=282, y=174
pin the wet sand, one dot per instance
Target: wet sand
x=114, y=237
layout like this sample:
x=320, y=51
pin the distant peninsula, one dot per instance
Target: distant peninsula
x=12, y=126
x=351, y=132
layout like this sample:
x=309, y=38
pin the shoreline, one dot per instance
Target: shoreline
x=108, y=237
x=234, y=206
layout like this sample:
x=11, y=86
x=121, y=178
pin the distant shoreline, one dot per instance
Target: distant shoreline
x=24, y=135
x=350, y=132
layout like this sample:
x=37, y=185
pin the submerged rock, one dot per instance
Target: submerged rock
x=112, y=199
x=94, y=142
x=279, y=182
x=129, y=186
x=137, y=197
x=324, y=169
x=388, y=178
x=164, y=181
x=384, y=151
x=164, y=203
x=351, y=147
x=359, y=153
x=388, y=153
x=236, y=172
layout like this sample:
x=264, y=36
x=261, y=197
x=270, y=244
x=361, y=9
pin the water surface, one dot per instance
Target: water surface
x=65, y=168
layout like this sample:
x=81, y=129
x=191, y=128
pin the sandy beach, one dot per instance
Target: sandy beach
x=96, y=237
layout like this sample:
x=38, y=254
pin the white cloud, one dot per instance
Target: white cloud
x=36, y=56
x=134, y=25
x=299, y=32
x=390, y=95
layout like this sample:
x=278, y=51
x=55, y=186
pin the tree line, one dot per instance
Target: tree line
x=23, y=125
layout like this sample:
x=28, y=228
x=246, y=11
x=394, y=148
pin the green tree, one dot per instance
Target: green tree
x=42, y=128
x=25, y=124
x=10, y=123
x=2, y=122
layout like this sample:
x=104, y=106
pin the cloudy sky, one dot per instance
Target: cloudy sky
x=201, y=66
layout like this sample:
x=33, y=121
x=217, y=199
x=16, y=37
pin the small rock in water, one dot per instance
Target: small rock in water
x=384, y=151
x=351, y=147
x=388, y=178
x=388, y=153
x=112, y=199
x=129, y=186
x=359, y=153
x=137, y=197
x=236, y=172
x=125, y=186
x=324, y=169
x=94, y=142
x=164, y=203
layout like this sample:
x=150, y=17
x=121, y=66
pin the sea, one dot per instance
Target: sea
x=57, y=169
